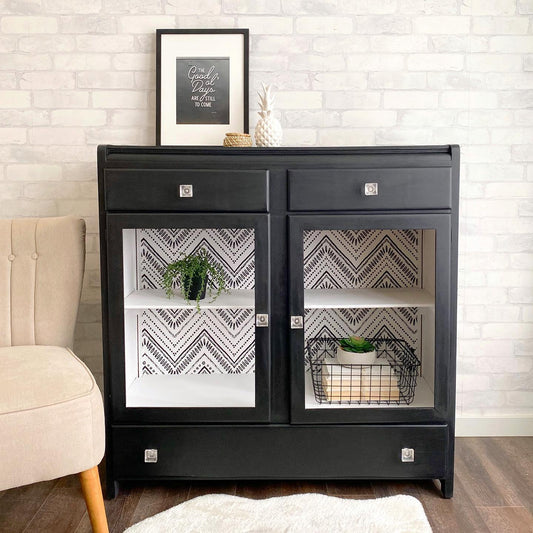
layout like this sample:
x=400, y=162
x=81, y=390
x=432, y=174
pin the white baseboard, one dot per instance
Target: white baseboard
x=505, y=426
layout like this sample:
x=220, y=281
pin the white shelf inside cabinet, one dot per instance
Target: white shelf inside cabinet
x=366, y=298
x=192, y=390
x=157, y=299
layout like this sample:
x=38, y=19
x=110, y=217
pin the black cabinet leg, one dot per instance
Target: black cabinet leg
x=111, y=489
x=446, y=486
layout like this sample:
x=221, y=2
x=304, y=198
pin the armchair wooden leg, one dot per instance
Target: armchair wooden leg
x=92, y=492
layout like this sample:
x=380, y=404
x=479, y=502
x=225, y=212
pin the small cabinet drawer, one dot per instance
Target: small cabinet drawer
x=186, y=190
x=238, y=452
x=361, y=189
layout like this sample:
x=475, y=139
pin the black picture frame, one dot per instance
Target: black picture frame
x=202, y=85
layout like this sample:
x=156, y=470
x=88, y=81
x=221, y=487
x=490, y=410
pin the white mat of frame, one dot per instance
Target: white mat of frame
x=301, y=513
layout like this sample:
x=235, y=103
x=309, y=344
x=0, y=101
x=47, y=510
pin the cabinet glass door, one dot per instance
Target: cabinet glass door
x=174, y=360
x=369, y=306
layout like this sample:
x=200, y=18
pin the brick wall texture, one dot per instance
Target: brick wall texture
x=78, y=73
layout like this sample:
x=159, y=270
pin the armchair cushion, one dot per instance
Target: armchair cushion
x=51, y=415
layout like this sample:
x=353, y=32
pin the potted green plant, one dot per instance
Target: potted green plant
x=356, y=350
x=196, y=273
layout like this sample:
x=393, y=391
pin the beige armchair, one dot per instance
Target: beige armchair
x=51, y=414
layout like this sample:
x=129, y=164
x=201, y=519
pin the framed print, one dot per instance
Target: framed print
x=202, y=85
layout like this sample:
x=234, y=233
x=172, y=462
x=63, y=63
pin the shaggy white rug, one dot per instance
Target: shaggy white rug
x=301, y=513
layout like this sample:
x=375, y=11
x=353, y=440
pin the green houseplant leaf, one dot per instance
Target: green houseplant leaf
x=195, y=269
x=356, y=345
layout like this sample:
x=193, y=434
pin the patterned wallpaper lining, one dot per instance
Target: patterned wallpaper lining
x=232, y=249
x=183, y=341
x=363, y=259
x=175, y=341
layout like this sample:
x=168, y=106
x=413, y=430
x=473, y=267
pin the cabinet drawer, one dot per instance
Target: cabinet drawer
x=212, y=190
x=344, y=189
x=239, y=452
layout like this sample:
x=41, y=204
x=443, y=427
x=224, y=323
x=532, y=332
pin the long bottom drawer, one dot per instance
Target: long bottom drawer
x=283, y=452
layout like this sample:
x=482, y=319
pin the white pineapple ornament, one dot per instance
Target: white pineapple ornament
x=268, y=130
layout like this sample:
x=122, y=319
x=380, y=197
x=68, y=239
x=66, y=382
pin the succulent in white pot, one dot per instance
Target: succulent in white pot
x=356, y=350
x=268, y=131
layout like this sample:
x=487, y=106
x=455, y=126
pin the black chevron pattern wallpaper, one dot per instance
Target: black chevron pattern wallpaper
x=183, y=341
x=232, y=249
x=175, y=341
x=335, y=259
x=362, y=258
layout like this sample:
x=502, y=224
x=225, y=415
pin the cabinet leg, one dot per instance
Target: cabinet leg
x=111, y=489
x=446, y=486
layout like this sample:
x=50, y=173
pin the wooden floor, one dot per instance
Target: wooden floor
x=493, y=493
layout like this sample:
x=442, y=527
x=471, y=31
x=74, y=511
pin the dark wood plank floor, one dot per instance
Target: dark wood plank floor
x=493, y=493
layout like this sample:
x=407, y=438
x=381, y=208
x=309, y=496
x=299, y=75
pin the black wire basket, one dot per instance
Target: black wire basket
x=390, y=380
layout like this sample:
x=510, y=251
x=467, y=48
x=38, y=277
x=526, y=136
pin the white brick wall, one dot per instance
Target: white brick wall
x=74, y=74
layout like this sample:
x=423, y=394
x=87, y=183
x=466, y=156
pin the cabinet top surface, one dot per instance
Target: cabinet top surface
x=112, y=151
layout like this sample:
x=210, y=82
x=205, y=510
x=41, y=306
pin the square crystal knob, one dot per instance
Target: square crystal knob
x=408, y=455
x=150, y=455
x=185, y=191
x=371, y=189
x=297, y=322
x=261, y=321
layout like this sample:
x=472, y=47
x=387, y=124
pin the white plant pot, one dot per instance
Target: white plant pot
x=353, y=358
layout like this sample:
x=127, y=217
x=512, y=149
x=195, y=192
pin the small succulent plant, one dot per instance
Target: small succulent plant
x=356, y=345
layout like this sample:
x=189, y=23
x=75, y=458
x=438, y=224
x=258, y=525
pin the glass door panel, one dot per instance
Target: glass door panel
x=369, y=305
x=182, y=359
x=374, y=284
x=179, y=356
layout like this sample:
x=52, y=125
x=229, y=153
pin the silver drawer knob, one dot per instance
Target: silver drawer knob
x=371, y=189
x=185, y=191
x=408, y=455
x=150, y=455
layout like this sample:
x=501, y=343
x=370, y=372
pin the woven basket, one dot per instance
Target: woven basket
x=237, y=139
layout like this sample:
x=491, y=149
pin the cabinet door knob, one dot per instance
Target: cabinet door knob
x=297, y=322
x=371, y=189
x=261, y=321
x=185, y=191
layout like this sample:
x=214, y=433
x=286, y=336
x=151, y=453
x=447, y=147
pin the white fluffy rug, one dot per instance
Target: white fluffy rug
x=301, y=513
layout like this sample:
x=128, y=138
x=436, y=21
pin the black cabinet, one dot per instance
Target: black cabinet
x=316, y=245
